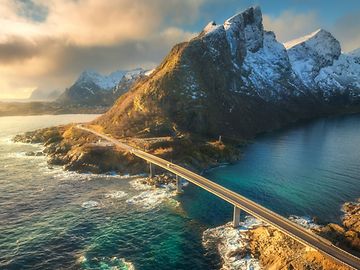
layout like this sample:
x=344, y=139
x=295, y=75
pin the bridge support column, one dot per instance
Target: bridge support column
x=236, y=217
x=178, y=184
x=152, y=170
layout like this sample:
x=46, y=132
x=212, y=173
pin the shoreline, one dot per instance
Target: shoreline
x=331, y=231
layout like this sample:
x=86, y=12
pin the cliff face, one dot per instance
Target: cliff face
x=237, y=80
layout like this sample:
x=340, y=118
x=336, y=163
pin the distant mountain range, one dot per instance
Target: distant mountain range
x=45, y=95
x=94, y=89
x=236, y=79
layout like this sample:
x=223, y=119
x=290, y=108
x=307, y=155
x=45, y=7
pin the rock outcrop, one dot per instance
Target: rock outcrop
x=348, y=235
x=278, y=251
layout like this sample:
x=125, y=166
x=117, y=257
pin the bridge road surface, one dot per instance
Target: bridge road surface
x=288, y=227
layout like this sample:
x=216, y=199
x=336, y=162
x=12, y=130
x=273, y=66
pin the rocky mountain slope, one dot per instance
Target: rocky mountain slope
x=94, y=89
x=235, y=79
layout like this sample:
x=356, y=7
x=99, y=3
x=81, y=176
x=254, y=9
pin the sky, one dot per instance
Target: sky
x=45, y=44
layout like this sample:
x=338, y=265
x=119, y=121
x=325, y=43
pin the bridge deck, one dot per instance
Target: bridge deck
x=288, y=227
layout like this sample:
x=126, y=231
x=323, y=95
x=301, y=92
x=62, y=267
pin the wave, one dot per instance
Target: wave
x=113, y=263
x=305, y=222
x=152, y=198
x=116, y=195
x=140, y=184
x=90, y=205
x=25, y=154
x=232, y=244
x=7, y=140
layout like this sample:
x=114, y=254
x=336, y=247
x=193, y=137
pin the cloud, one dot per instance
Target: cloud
x=47, y=43
x=346, y=29
x=290, y=25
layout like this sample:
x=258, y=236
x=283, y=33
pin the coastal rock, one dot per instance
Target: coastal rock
x=34, y=154
x=348, y=235
x=254, y=245
x=80, y=151
x=278, y=251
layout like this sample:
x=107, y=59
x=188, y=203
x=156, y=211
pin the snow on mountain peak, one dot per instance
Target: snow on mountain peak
x=244, y=31
x=105, y=82
x=355, y=53
x=309, y=54
x=251, y=15
x=245, y=27
x=291, y=43
x=320, y=42
x=210, y=27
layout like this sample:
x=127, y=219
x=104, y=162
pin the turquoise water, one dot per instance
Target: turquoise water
x=307, y=170
x=50, y=219
x=44, y=224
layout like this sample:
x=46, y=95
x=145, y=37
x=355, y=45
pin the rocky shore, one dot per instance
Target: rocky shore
x=254, y=245
x=77, y=150
x=347, y=235
x=275, y=250
x=257, y=246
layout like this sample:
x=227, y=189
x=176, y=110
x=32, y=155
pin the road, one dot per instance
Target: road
x=288, y=227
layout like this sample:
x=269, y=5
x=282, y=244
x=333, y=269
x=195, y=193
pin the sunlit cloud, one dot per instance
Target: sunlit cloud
x=289, y=24
x=66, y=36
x=47, y=43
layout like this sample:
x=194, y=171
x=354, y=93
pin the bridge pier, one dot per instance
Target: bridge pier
x=236, y=217
x=152, y=170
x=178, y=184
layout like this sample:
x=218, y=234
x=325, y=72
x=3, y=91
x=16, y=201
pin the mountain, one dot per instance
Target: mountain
x=45, y=95
x=94, y=89
x=235, y=79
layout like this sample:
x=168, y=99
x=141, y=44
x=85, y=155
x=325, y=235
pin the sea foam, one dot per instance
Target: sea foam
x=151, y=198
x=305, y=222
x=113, y=263
x=116, y=195
x=232, y=244
x=90, y=205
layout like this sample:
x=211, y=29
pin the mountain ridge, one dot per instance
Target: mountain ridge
x=240, y=69
x=93, y=89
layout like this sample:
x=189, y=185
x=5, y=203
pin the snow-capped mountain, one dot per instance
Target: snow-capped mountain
x=105, y=82
x=92, y=88
x=236, y=79
x=309, y=54
x=128, y=80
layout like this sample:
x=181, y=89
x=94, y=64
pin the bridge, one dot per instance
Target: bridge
x=295, y=231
